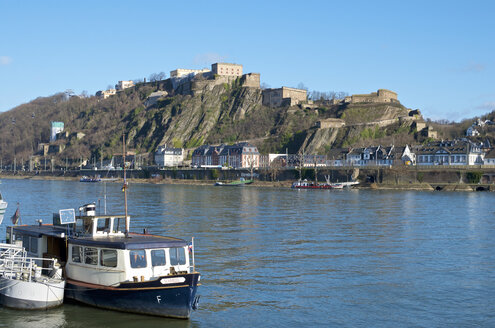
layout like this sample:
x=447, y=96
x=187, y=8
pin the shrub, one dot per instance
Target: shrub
x=474, y=177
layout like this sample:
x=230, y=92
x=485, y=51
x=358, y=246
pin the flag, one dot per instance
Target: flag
x=15, y=217
x=190, y=247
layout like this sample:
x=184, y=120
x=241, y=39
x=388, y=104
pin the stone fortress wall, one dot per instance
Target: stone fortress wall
x=251, y=80
x=284, y=96
x=381, y=96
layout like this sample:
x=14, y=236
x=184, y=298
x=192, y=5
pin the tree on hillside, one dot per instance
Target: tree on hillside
x=264, y=86
x=157, y=76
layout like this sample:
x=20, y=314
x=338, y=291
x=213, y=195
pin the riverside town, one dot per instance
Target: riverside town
x=222, y=124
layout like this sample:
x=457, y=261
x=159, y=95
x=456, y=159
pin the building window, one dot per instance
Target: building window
x=138, y=258
x=108, y=258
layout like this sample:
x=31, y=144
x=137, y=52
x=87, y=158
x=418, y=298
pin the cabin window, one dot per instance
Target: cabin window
x=138, y=259
x=177, y=256
x=108, y=258
x=90, y=255
x=34, y=244
x=25, y=242
x=158, y=257
x=103, y=225
x=118, y=223
x=76, y=254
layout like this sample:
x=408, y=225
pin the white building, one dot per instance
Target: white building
x=165, y=156
x=121, y=85
x=454, y=152
x=57, y=127
x=472, y=131
x=181, y=72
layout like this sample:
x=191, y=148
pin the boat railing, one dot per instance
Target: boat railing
x=16, y=265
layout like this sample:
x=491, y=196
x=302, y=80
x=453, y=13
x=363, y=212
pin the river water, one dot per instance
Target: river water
x=289, y=258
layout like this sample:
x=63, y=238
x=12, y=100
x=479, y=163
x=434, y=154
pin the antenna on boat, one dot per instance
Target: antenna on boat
x=124, y=188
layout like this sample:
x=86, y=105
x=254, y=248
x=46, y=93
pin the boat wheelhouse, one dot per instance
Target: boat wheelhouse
x=109, y=268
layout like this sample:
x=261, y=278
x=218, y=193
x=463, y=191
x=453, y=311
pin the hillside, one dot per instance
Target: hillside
x=226, y=112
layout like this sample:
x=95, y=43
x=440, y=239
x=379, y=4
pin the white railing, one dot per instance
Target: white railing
x=14, y=264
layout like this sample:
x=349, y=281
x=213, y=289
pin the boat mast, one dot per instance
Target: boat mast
x=125, y=189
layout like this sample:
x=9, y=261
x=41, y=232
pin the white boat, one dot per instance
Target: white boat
x=27, y=282
x=3, y=207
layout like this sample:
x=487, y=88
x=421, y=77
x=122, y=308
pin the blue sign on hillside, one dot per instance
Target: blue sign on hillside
x=67, y=216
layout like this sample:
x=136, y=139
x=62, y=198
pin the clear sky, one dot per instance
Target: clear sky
x=439, y=56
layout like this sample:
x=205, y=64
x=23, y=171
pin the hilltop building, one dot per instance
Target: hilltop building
x=106, y=93
x=121, y=85
x=57, y=127
x=251, y=80
x=226, y=69
x=381, y=96
x=284, y=96
x=182, y=72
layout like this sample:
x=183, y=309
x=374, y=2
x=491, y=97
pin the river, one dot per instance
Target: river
x=289, y=258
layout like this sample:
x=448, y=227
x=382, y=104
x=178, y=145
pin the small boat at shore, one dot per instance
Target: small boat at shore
x=85, y=178
x=28, y=282
x=305, y=184
x=236, y=183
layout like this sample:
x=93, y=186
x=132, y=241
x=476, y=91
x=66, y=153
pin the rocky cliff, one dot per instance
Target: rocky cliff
x=207, y=112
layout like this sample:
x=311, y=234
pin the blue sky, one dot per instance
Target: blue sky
x=439, y=56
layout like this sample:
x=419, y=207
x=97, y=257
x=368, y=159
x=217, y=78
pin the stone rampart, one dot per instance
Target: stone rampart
x=330, y=123
x=251, y=80
x=381, y=96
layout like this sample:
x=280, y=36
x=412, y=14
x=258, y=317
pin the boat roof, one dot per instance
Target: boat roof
x=41, y=230
x=133, y=241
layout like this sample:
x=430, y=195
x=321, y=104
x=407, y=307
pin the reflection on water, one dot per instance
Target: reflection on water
x=280, y=257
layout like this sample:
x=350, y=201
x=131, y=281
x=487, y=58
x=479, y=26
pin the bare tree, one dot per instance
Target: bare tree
x=157, y=76
x=275, y=167
x=302, y=86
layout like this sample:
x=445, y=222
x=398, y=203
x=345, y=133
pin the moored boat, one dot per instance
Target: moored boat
x=236, y=183
x=27, y=282
x=85, y=178
x=109, y=267
x=305, y=184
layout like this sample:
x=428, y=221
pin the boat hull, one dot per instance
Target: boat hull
x=314, y=187
x=18, y=294
x=175, y=300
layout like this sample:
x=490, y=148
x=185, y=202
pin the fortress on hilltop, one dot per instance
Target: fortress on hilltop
x=381, y=96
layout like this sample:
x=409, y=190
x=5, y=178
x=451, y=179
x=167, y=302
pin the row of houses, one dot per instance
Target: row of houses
x=241, y=155
x=246, y=155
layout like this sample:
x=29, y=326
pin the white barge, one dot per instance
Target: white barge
x=27, y=282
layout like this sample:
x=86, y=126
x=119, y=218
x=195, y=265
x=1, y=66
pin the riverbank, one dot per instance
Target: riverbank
x=274, y=184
